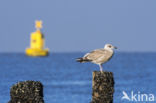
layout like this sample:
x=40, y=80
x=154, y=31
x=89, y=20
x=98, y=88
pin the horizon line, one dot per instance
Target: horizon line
x=82, y=52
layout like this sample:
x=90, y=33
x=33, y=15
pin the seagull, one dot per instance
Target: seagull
x=98, y=56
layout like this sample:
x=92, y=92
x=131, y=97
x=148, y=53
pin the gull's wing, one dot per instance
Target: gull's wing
x=96, y=54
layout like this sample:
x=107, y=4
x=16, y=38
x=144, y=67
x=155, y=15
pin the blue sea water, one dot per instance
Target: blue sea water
x=66, y=81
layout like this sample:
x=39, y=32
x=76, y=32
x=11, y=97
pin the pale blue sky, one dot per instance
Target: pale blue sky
x=79, y=25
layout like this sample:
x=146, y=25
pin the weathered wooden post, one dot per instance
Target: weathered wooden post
x=27, y=92
x=102, y=87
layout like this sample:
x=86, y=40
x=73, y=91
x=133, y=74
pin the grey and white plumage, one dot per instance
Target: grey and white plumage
x=99, y=56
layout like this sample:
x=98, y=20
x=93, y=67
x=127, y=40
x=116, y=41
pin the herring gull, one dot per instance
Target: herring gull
x=98, y=56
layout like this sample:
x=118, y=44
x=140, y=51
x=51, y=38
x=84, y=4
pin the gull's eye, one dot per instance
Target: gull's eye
x=109, y=46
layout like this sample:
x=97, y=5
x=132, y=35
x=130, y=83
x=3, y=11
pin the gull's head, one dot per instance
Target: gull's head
x=109, y=47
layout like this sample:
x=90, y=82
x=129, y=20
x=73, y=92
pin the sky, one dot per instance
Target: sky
x=79, y=25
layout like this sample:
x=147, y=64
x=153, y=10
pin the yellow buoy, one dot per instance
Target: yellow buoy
x=37, y=42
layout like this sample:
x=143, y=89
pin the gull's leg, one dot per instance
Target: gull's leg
x=101, y=68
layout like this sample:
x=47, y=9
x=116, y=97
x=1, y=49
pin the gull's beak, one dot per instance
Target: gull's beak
x=115, y=47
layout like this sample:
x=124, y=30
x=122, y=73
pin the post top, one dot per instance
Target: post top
x=102, y=74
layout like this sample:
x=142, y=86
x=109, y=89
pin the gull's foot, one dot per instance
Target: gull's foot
x=102, y=71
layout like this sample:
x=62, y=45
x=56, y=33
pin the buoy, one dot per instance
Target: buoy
x=37, y=42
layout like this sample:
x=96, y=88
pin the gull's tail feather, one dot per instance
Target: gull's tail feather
x=82, y=60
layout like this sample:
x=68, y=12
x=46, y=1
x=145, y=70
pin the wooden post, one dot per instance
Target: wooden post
x=102, y=87
x=27, y=92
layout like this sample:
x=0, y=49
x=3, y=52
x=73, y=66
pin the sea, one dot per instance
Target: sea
x=67, y=81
